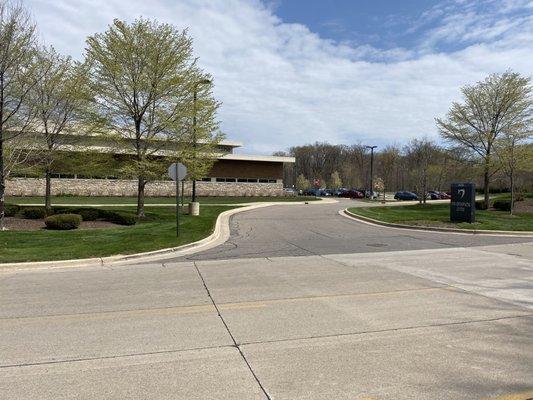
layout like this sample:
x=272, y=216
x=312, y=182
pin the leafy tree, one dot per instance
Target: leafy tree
x=302, y=183
x=144, y=74
x=513, y=155
x=501, y=103
x=18, y=76
x=336, y=181
x=62, y=100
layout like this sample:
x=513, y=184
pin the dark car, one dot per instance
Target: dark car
x=404, y=195
x=351, y=194
x=433, y=195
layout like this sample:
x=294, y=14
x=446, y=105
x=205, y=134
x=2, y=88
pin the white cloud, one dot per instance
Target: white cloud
x=283, y=85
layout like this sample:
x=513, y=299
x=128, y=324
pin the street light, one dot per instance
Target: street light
x=371, y=169
x=195, y=95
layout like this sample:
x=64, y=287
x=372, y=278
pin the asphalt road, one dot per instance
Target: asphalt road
x=436, y=320
x=302, y=230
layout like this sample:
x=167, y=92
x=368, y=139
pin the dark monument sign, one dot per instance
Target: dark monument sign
x=463, y=203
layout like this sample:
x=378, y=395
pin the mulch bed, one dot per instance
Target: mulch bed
x=22, y=224
x=524, y=206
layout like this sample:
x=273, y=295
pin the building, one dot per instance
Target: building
x=232, y=175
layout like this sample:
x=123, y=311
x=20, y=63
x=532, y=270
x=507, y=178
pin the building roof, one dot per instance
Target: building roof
x=248, y=157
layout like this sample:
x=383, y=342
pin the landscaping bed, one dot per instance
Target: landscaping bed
x=23, y=224
x=438, y=215
x=158, y=231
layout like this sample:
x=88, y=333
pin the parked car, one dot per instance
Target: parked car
x=371, y=194
x=352, y=194
x=433, y=195
x=404, y=195
x=445, y=196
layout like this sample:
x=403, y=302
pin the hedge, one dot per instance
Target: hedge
x=121, y=217
x=33, y=212
x=10, y=210
x=502, y=204
x=63, y=222
x=480, y=205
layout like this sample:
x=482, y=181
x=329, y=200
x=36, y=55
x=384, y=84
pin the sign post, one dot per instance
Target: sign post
x=177, y=172
x=463, y=203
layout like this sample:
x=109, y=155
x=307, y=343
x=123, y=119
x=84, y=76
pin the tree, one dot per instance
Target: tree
x=500, y=103
x=61, y=97
x=18, y=76
x=336, y=181
x=302, y=183
x=201, y=132
x=388, y=160
x=513, y=155
x=143, y=74
x=419, y=153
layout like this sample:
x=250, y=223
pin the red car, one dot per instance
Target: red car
x=352, y=194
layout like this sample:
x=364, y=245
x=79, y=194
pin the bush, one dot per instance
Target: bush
x=63, y=222
x=89, y=214
x=502, y=204
x=33, y=212
x=480, y=205
x=120, y=217
x=11, y=210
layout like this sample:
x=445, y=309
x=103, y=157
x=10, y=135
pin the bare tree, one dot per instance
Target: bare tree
x=419, y=154
x=500, y=103
x=18, y=76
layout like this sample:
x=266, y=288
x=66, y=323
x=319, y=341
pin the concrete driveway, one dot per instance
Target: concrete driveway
x=447, y=317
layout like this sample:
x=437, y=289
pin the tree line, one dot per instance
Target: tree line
x=486, y=139
x=139, y=85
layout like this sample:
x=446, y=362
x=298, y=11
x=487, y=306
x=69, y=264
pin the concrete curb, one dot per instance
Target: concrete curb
x=375, y=222
x=221, y=234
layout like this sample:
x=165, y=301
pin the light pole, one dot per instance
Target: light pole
x=195, y=95
x=371, y=169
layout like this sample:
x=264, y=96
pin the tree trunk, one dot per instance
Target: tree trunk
x=48, y=192
x=141, y=183
x=2, y=183
x=512, y=191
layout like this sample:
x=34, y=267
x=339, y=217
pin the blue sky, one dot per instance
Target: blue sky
x=291, y=72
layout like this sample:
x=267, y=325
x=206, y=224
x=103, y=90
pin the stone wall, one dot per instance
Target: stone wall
x=118, y=187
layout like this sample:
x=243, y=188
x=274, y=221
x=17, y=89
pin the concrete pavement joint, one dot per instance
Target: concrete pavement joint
x=74, y=360
x=236, y=345
x=406, y=328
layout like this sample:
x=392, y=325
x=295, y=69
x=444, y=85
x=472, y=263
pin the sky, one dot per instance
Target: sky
x=291, y=72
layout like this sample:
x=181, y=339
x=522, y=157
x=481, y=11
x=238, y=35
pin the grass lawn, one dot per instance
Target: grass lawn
x=157, y=233
x=151, y=200
x=439, y=215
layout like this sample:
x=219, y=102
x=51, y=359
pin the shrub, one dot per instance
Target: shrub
x=120, y=217
x=480, y=205
x=33, y=212
x=11, y=210
x=89, y=214
x=502, y=204
x=63, y=222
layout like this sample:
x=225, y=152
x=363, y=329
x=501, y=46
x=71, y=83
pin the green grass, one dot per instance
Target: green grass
x=439, y=215
x=157, y=233
x=65, y=200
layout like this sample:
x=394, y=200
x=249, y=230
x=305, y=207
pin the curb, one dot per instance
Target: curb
x=221, y=233
x=375, y=222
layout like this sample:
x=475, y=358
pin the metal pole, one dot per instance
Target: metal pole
x=371, y=169
x=182, y=193
x=194, y=139
x=177, y=202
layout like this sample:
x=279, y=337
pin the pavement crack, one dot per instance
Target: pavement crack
x=235, y=344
